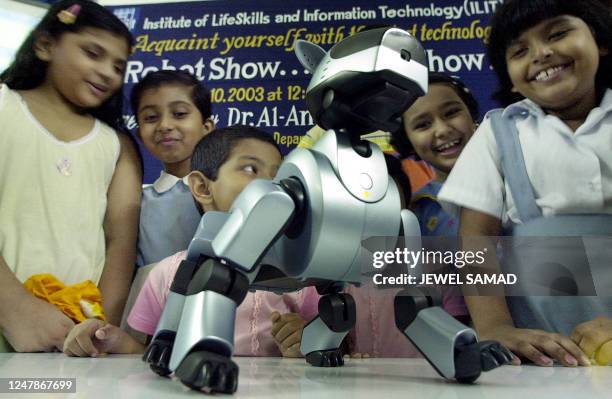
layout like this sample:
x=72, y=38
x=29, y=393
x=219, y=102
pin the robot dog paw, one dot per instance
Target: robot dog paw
x=493, y=354
x=474, y=358
x=158, y=356
x=327, y=358
x=208, y=372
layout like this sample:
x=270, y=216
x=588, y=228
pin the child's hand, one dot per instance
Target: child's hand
x=539, y=346
x=36, y=325
x=592, y=335
x=94, y=337
x=287, y=332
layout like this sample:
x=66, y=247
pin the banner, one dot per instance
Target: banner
x=243, y=51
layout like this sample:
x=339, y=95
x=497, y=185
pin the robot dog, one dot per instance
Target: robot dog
x=306, y=226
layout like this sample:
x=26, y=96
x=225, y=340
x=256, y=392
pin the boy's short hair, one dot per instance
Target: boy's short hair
x=199, y=94
x=514, y=17
x=398, y=138
x=214, y=149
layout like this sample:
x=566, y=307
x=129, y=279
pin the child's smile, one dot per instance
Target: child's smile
x=450, y=148
x=551, y=73
x=170, y=125
x=169, y=141
x=554, y=64
x=438, y=126
x=99, y=89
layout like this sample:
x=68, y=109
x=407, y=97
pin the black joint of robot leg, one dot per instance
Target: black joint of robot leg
x=240, y=287
x=361, y=147
x=337, y=311
x=223, y=279
x=183, y=276
x=467, y=363
x=327, y=288
x=326, y=358
x=407, y=304
x=293, y=186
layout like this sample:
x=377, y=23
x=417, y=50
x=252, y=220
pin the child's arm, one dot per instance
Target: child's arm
x=28, y=323
x=121, y=230
x=94, y=337
x=592, y=336
x=287, y=332
x=492, y=319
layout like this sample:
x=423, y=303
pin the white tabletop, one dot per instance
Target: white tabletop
x=126, y=376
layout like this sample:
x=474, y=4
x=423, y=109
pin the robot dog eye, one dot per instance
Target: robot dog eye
x=406, y=55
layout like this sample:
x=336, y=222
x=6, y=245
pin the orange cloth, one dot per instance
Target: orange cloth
x=79, y=301
x=419, y=173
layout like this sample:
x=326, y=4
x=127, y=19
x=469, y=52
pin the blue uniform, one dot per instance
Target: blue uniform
x=168, y=219
x=434, y=221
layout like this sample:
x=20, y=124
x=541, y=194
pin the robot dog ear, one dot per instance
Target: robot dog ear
x=309, y=54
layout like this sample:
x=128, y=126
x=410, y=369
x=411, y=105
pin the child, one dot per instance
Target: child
x=436, y=129
x=173, y=113
x=223, y=163
x=69, y=184
x=555, y=55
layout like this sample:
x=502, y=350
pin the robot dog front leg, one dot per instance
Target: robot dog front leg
x=449, y=346
x=197, y=324
x=195, y=334
x=205, y=337
x=159, y=350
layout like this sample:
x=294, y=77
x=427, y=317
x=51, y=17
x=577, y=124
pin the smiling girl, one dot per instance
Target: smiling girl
x=436, y=129
x=69, y=183
x=552, y=58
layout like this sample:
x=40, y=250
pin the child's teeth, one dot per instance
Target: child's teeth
x=545, y=75
x=448, y=145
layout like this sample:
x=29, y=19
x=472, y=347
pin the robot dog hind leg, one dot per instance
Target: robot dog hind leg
x=322, y=336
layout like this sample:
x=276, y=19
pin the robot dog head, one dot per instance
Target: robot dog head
x=365, y=82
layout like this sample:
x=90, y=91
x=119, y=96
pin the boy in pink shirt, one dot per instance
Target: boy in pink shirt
x=253, y=317
x=223, y=163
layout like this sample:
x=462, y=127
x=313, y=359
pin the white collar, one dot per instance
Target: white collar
x=527, y=106
x=606, y=101
x=166, y=181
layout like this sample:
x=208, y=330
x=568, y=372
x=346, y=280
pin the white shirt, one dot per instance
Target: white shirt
x=53, y=195
x=571, y=172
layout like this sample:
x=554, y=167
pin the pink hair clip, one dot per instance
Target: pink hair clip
x=69, y=15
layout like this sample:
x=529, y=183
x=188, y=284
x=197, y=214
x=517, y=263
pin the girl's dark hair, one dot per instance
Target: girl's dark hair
x=199, y=94
x=27, y=71
x=395, y=170
x=516, y=16
x=398, y=138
